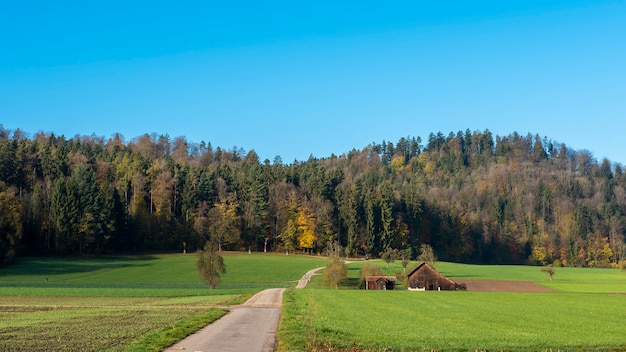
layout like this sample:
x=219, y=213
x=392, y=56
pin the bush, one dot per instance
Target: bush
x=335, y=271
x=402, y=278
x=548, y=270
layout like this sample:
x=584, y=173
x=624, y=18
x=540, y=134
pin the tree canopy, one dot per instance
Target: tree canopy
x=471, y=196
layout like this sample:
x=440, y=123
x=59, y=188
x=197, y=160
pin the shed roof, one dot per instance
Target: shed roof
x=376, y=278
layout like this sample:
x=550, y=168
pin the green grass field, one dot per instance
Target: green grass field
x=451, y=321
x=132, y=303
x=146, y=303
x=170, y=275
x=587, y=313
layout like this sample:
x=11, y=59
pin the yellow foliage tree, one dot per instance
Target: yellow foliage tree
x=305, y=221
x=397, y=163
x=225, y=220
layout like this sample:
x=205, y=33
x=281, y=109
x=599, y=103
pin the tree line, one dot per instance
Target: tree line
x=472, y=196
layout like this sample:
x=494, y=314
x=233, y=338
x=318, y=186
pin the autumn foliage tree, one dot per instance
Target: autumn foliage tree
x=305, y=221
x=335, y=270
x=225, y=220
x=301, y=225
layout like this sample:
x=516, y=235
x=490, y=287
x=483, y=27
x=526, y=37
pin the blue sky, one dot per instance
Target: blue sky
x=296, y=79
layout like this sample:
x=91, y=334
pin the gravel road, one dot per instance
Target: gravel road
x=250, y=327
x=305, y=279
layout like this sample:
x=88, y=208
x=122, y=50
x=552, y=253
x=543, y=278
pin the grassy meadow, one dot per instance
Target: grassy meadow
x=587, y=312
x=165, y=275
x=146, y=303
x=126, y=303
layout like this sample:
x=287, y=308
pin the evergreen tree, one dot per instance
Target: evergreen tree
x=11, y=213
x=473, y=196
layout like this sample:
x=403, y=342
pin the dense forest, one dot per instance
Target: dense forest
x=472, y=196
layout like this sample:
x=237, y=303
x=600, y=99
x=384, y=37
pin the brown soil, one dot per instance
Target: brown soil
x=502, y=286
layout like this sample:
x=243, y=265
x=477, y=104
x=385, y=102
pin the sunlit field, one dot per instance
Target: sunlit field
x=146, y=303
x=133, y=303
x=587, y=313
x=169, y=275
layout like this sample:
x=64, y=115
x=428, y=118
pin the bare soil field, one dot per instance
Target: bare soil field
x=502, y=286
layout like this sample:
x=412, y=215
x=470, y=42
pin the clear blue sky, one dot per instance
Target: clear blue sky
x=295, y=78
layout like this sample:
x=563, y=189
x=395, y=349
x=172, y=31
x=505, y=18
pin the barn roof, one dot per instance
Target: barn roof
x=425, y=266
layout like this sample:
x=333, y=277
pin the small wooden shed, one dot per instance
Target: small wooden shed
x=424, y=278
x=380, y=282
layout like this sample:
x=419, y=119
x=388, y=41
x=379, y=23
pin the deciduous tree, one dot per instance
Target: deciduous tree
x=389, y=256
x=427, y=254
x=368, y=270
x=335, y=271
x=210, y=264
x=225, y=220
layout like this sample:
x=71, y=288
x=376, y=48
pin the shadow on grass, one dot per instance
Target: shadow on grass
x=351, y=283
x=45, y=266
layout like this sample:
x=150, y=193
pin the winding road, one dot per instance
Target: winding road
x=249, y=327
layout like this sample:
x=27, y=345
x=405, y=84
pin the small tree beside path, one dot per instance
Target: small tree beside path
x=210, y=265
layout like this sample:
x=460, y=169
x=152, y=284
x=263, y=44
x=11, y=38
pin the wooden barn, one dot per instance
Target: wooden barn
x=424, y=277
x=380, y=282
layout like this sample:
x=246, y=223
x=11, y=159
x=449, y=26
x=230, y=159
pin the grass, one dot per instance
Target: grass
x=103, y=328
x=586, y=314
x=132, y=303
x=581, y=280
x=145, y=303
x=170, y=275
x=450, y=321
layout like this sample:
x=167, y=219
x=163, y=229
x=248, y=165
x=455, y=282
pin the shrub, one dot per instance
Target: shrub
x=548, y=270
x=335, y=271
x=402, y=278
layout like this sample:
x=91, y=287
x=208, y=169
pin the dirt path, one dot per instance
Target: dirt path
x=249, y=327
x=305, y=279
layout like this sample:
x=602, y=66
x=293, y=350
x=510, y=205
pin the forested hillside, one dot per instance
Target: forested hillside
x=472, y=196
